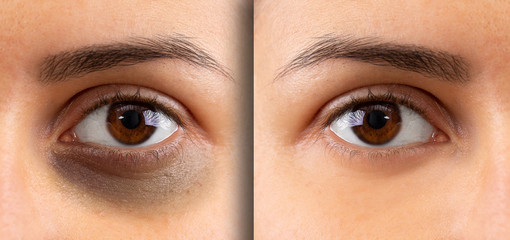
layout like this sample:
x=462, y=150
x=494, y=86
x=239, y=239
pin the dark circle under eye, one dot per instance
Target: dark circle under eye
x=127, y=122
x=381, y=122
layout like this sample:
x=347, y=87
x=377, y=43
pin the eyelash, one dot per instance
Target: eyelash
x=374, y=156
x=387, y=97
x=136, y=98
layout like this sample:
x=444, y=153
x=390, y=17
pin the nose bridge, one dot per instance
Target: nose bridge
x=493, y=122
x=490, y=216
x=13, y=202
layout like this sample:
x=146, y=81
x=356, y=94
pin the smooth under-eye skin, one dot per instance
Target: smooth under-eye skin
x=59, y=59
x=309, y=183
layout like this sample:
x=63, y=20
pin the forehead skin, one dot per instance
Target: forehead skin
x=299, y=195
x=35, y=29
x=442, y=24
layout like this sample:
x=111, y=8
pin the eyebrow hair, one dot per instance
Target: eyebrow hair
x=428, y=62
x=88, y=59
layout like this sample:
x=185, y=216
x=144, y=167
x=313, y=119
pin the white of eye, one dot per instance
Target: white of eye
x=94, y=128
x=413, y=128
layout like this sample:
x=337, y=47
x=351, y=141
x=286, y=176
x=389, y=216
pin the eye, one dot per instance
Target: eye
x=380, y=124
x=125, y=124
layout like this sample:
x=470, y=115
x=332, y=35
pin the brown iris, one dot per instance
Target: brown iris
x=127, y=122
x=381, y=122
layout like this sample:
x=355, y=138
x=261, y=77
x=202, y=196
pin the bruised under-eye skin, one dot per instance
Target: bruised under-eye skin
x=170, y=171
x=183, y=170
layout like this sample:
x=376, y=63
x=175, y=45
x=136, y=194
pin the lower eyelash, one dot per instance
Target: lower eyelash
x=372, y=159
x=115, y=161
x=128, y=162
x=370, y=154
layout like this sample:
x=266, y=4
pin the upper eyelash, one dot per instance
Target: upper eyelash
x=371, y=97
x=136, y=98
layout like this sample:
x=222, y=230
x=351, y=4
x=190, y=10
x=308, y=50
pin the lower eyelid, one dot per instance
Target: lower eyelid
x=385, y=161
x=119, y=162
x=132, y=162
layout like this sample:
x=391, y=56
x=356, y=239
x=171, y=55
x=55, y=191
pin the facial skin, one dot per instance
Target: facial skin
x=310, y=184
x=53, y=187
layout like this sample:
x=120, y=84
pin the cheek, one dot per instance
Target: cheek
x=313, y=192
x=291, y=201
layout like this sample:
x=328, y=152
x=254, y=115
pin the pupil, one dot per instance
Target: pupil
x=376, y=119
x=130, y=119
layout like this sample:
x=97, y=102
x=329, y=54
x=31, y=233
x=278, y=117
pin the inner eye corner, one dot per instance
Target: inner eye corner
x=439, y=136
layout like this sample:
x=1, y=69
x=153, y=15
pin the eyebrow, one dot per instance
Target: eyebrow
x=425, y=61
x=77, y=63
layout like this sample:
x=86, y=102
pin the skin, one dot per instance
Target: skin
x=458, y=189
x=38, y=201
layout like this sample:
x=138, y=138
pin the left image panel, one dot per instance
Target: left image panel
x=122, y=119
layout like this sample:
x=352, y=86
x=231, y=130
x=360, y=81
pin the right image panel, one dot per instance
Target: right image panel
x=382, y=119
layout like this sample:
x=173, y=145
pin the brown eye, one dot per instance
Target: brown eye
x=128, y=124
x=380, y=122
x=134, y=120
